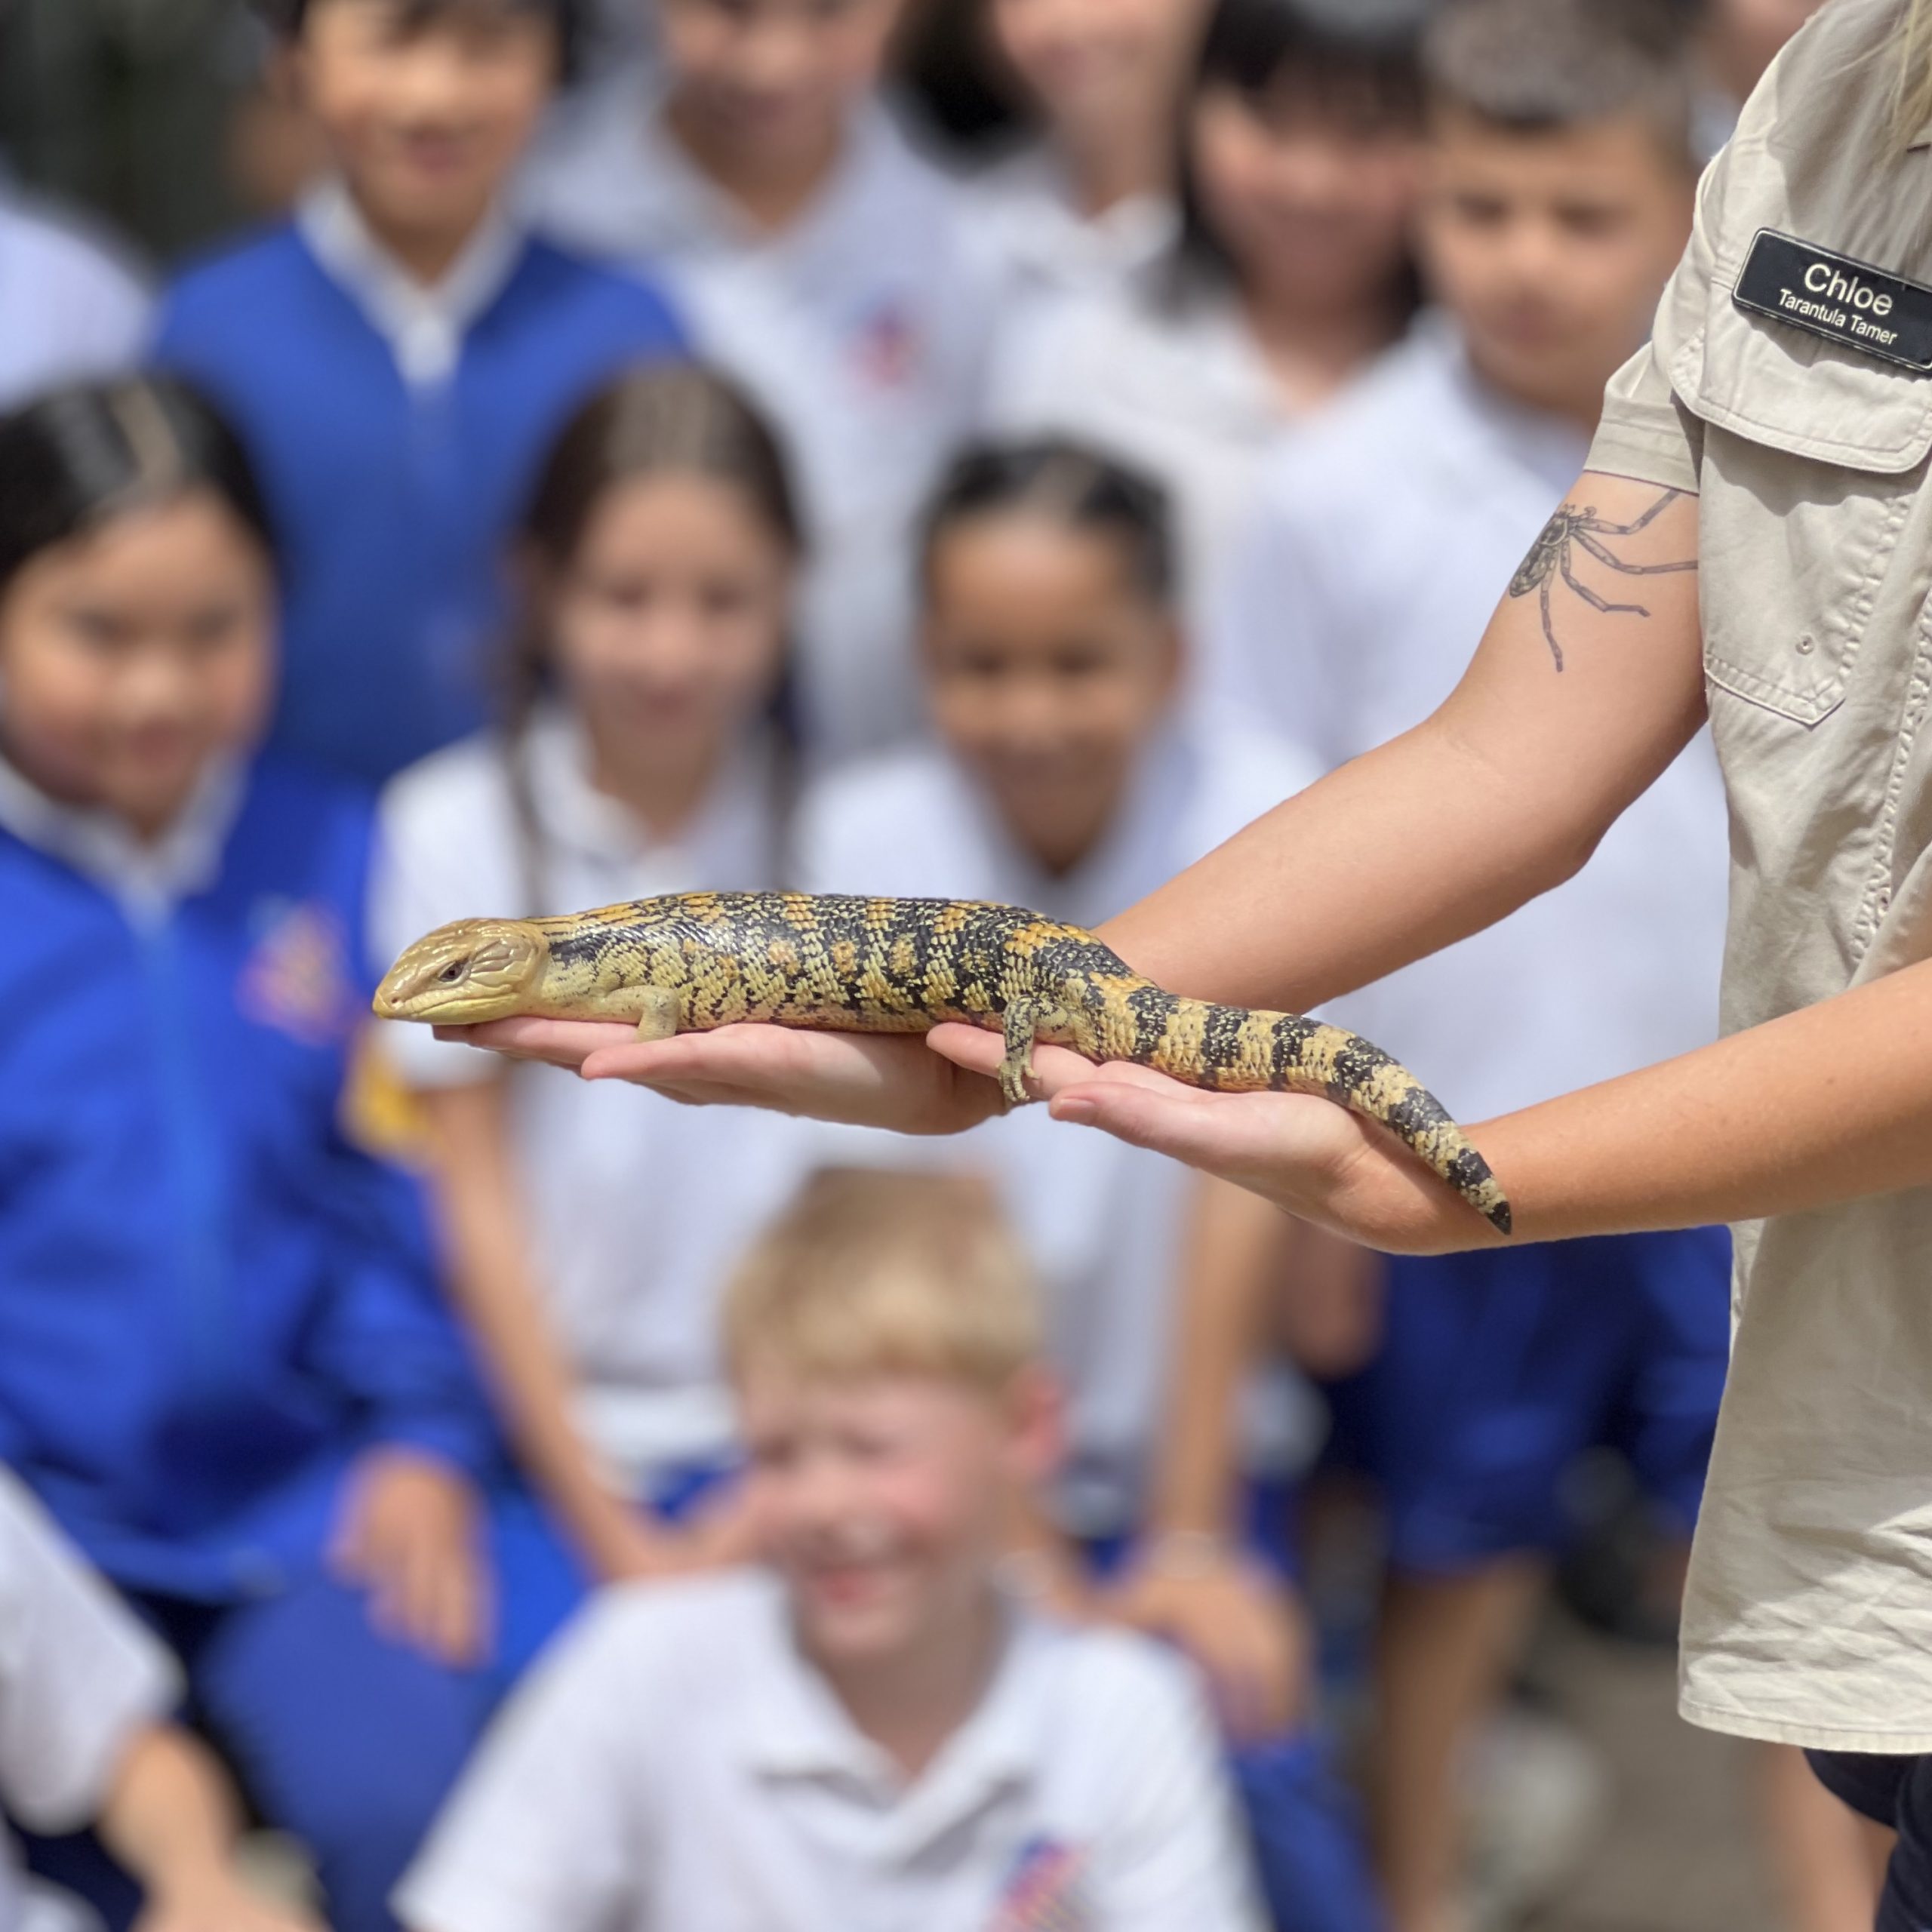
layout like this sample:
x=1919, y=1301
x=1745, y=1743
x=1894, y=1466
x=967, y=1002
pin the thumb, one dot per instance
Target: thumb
x=1143, y=1117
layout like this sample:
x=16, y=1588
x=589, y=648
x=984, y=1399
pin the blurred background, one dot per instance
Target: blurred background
x=1331, y=285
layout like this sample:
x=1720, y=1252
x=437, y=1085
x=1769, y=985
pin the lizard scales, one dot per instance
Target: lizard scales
x=698, y=960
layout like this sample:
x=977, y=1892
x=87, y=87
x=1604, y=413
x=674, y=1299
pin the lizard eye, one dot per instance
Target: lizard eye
x=453, y=971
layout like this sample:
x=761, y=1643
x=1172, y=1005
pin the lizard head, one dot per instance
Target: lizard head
x=469, y=970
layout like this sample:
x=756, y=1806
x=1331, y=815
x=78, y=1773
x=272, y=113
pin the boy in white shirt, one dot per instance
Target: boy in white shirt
x=866, y=1732
x=826, y=265
x=68, y=308
x=85, y=1739
x=1559, y=198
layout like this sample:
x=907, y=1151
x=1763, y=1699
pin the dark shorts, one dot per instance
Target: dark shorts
x=1897, y=1792
x=1499, y=1368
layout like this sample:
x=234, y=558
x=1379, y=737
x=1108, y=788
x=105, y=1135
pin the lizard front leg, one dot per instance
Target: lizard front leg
x=1018, y=1023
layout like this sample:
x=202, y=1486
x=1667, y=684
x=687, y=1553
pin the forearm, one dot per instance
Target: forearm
x=487, y=1233
x=1359, y=875
x=1825, y=1105
x=170, y=1818
x=1500, y=795
x=1235, y=1244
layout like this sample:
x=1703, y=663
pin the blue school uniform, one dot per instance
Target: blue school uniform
x=211, y=1300
x=398, y=431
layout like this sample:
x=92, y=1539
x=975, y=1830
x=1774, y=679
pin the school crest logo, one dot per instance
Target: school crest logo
x=1044, y=1893
x=888, y=344
x=296, y=977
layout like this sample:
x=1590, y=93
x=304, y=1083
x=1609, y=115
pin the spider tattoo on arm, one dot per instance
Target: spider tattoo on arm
x=1551, y=557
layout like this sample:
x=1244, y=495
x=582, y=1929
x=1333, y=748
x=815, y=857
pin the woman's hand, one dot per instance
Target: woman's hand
x=859, y=1080
x=1308, y=1156
x=409, y=1534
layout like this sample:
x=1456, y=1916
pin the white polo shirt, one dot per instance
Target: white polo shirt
x=1386, y=536
x=1105, y=1223
x=78, y=1678
x=674, y=1765
x=68, y=309
x=638, y=1208
x=1023, y=213
x=1180, y=392
x=861, y=330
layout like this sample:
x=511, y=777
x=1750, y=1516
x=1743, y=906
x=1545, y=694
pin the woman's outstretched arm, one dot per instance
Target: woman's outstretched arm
x=1500, y=796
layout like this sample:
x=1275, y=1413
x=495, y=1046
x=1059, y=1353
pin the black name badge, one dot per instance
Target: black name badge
x=1852, y=303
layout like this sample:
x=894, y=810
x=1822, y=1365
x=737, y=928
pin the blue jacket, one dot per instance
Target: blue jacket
x=210, y=1299
x=392, y=505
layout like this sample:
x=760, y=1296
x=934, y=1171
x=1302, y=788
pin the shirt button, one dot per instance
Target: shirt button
x=1805, y=646
x=1884, y=898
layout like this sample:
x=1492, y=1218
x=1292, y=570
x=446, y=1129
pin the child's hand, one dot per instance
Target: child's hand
x=1243, y=1627
x=219, y=1903
x=1307, y=1155
x=409, y=1533
x=643, y=1549
x=860, y=1080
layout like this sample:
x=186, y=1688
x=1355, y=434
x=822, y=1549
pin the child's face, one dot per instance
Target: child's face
x=1087, y=61
x=1746, y=35
x=1305, y=196
x=883, y=1501
x=130, y=658
x=1550, y=249
x=776, y=76
x=668, y=627
x=1048, y=668
x=426, y=122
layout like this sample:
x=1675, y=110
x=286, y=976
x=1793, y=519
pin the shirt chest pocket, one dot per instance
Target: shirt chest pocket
x=1813, y=457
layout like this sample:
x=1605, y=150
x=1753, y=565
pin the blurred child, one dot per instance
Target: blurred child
x=1559, y=197
x=222, y=1365
x=825, y=265
x=593, y=1228
x=84, y=1696
x=865, y=1731
x=1065, y=779
x=68, y=307
x=1092, y=203
x=1742, y=37
x=398, y=357
x=1300, y=152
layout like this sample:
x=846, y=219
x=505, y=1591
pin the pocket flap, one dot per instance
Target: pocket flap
x=1791, y=390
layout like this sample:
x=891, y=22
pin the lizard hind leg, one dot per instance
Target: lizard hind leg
x=1018, y=1024
x=657, y=1013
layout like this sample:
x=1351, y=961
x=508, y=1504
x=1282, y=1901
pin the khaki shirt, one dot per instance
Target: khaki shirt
x=1809, y=1616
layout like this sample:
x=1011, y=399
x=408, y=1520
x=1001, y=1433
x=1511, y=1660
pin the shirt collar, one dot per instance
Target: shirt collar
x=423, y=326
x=798, y=1730
x=147, y=878
x=731, y=828
x=1052, y=239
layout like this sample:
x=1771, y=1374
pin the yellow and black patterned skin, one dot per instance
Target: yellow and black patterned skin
x=698, y=960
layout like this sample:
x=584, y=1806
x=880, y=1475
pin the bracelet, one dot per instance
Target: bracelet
x=1185, y=1554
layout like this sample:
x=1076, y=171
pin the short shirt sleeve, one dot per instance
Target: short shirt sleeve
x=1174, y=1854
x=549, y=1829
x=78, y=1677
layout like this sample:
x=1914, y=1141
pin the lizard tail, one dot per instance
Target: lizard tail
x=1235, y=1049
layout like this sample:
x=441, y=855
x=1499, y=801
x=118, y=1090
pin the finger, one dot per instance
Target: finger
x=979, y=1051
x=1212, y=1130
x=558, y=1042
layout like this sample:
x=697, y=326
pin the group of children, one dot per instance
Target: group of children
x=710, y=491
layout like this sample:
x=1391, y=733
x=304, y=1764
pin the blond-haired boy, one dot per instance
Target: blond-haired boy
x=865, y=1730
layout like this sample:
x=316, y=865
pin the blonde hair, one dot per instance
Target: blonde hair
x=1912, y=104
x=871, y=1272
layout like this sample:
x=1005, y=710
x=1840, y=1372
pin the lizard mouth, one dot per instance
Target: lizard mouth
x=465, y=973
